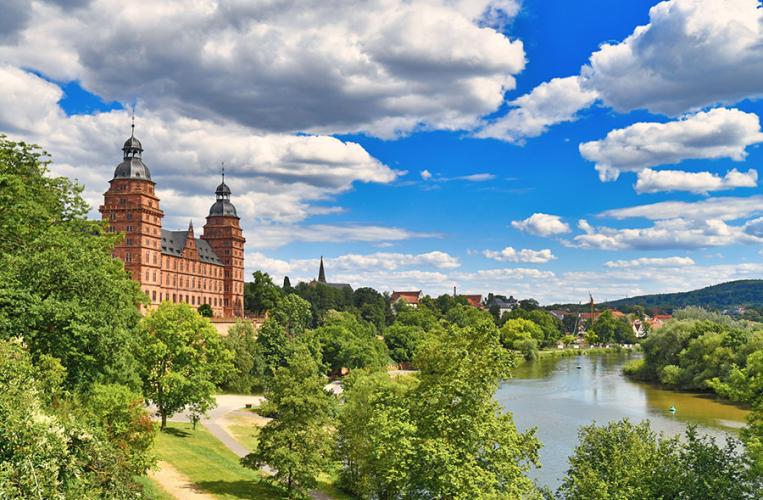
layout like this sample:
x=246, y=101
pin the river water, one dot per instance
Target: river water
x=559, y=395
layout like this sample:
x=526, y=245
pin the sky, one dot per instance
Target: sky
x=535, y=148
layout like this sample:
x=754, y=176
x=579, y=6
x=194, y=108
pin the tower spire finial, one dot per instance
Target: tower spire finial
x=222, y=168
x=132, y=125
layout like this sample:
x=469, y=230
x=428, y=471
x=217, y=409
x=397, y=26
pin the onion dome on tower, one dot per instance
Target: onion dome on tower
x=132, y=166
x=223, y=206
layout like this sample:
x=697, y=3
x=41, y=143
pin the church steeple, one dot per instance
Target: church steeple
x=321, y=273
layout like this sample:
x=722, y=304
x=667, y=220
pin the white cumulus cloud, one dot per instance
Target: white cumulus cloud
x=691, y=54
x=321, y=66
x=526, y=255
x=552, y=102
x=719, y=133
x=655, y=181
x=542, y=224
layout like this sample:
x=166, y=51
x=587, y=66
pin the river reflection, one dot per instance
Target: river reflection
x=559, y=395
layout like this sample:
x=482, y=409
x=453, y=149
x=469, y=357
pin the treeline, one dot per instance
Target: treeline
x=402, y=326
x=706, y=351
x=439, y=433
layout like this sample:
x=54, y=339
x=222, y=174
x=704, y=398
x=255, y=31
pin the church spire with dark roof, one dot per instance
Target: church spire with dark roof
x=321, y=273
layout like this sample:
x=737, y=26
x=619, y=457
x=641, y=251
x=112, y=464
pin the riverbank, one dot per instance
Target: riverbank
x=590, y=351
x=557, y=394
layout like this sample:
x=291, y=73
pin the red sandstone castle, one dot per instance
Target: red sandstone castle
x=175, y=266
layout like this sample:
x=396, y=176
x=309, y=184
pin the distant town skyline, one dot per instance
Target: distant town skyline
x=531, y=148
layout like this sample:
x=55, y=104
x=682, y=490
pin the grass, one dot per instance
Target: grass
x=210, y=465
x=244, y=431
x=152, y=490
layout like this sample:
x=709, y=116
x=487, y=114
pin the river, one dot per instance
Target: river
x=557, y=397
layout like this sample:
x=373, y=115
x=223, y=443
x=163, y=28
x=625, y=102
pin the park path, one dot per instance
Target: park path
x=177, y=484
x=213, y=421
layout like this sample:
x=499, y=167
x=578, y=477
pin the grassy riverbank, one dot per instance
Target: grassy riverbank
x=591, y=351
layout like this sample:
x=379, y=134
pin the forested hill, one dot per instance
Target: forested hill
x=722, y=296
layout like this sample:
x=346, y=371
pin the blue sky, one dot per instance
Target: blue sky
x=534, y=148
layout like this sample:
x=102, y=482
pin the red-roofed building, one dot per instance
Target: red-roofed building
x=411, y=298
x=658, y=320
x=474, y=300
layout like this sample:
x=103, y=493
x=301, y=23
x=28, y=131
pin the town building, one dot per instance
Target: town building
x=175, y=266
x=411, y=298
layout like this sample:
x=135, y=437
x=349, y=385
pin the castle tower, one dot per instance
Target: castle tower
x=132, y=208
x=223, y=233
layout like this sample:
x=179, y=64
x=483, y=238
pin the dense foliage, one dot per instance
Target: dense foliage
x=60, y=288
x=53, y=445
x=72, y=424
x=182, y=360
x=441, y=435
x=629, y=461
x=295, y=444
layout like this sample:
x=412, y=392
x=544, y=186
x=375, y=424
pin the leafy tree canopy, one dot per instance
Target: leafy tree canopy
x=182, y=359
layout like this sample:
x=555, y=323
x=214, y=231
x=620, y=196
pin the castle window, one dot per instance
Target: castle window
x=153, y=294
x=154, y=280
x=129, y=216
x=174, y=297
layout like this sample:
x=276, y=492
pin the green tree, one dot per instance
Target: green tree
x=629, y=461
x=466, y=445
x=296, y=443
x=403, y=340
x=376, y=436
x=205, y=310
x=248, y=359
x=611, y=329
x=522, y=335
x=347, y=342
x=288, y=321
x=120, y=412
x=182, y=357
x=54, y=453
x=262, y=295
x=60, y=287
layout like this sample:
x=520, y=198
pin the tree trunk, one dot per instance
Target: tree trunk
x=164, y=420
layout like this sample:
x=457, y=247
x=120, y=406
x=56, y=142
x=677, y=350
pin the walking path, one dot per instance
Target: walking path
x=177, y=484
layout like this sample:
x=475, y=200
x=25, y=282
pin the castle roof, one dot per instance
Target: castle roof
x=173, y=243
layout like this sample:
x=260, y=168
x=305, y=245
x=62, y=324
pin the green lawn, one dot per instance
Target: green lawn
x=210, y=465
x=152, y=490
x=244, y=431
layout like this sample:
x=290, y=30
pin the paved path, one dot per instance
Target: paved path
x=177, y=484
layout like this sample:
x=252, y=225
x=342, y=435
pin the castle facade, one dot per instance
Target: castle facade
x=175, y=266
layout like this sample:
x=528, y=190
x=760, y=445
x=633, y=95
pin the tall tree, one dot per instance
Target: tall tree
x=376, y=436
x=296, y=443
x=60, y=287
x=467, y=446
x=248, y=358
x=182, y=359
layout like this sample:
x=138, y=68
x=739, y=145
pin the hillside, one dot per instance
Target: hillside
x=722, y=296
